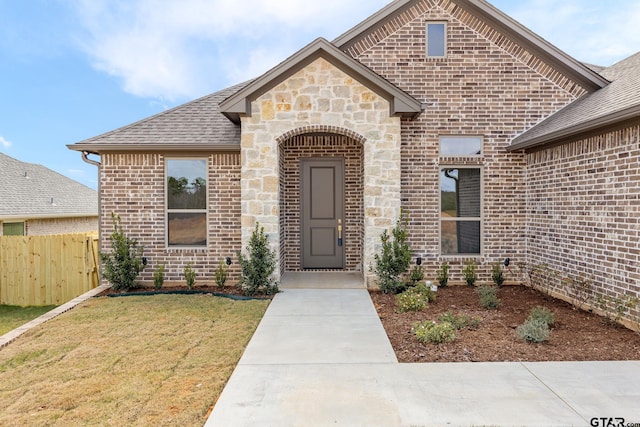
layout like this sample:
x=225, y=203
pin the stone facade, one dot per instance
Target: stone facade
x=133, y=187
x=320, y=98
x=583, y=204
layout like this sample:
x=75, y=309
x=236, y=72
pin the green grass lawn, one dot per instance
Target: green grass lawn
x=152, y=360
x=12, y=316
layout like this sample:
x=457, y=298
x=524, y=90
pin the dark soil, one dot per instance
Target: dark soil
x=577, y=335
x=226, y=290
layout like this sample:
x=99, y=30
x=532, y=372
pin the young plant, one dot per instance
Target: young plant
x=497, y=275
x=460, y=321
x=469, y=272
x=431, y=332
x=123, y=265
x=425, y=290
x=158, y=276
x=221, y=274
x=543, y=314
x=416, y=275
x=488, y=297
x=442, y=276
x=190, y=276
x=411, y=300
x=258, y=265
x=394, y=259
x=534, y=331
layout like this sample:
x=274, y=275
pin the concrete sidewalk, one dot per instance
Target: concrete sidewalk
x=321, y=357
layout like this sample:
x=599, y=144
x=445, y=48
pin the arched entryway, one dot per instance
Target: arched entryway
x=321, y=177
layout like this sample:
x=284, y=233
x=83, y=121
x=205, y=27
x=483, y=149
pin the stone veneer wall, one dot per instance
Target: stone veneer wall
x=132, y=186
x=583, y=211
x=320, y=98
x=327, y=146
x=486, y=86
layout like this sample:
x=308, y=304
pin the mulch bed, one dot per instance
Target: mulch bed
x=226, y=290
x=577, y=335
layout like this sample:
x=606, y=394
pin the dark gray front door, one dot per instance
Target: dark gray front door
x=323, y=213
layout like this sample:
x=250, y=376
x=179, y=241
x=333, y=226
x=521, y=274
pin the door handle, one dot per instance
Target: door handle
x=340, y=232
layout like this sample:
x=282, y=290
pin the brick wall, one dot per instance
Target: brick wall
x=61, y=225
x=132, y=186
x=487, y=86
x=307, y=146
x=583, y=211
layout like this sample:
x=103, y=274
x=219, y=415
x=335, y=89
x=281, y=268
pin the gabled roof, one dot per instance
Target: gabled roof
x=29, y=191
x=196, y=125
x=614, y=104
x=239, y=104
x=506, y=25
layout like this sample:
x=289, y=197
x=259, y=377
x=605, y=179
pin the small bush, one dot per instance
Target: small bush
x=393, y=261
x=158, y=276
x=437, y=333
x=460, y=321
x=543, y=314
x=425, y=290
x=442, y=276
x=123, y=265
x=258, y=265
x=221, y=274
x=533, y=331
x=497, y=275
x=411, y=300
x=190, y=276
x=469, y=272
x=416, y=275
x=488, y=297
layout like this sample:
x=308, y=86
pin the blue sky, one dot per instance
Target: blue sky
x=73, y=69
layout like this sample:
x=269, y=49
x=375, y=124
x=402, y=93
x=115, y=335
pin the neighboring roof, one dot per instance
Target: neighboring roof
x=573, y=69
x=400, y=102
x=616, y=103
x=196, y=125
x=29, y=191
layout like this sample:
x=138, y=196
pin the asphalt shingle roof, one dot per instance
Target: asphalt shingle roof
x=198, y=122
x=618, y=101
x=27, y=191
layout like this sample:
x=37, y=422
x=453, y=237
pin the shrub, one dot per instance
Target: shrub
x=469, y=272
x=125, y=262
x=543, y=314
x=221, y=274
x=411, y=300
x=258, y=265
x=460, y=321
x=533, y=331
x=416, y=274
x=158, y=276
x=497, y=275
x=442, y=276
x=425, y=290
x=394, y=259
x=437, y=333
x=488, y=297
x=190, y=276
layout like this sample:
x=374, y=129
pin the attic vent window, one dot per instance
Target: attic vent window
x=436, y=39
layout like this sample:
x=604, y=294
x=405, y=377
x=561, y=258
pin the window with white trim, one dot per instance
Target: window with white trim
x=460, y=210
x=186, y=202
x=467, y=146
x=436, y=39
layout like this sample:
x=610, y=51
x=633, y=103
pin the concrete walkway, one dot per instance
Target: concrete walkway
x=321, y=357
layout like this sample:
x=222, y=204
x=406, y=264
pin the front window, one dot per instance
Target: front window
x=460, y=210
x=186, y=195
x=467, y=146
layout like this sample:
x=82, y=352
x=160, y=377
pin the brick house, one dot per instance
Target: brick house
x=35, y=200
x=494, y=142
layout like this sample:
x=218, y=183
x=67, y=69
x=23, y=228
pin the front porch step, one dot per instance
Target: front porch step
x=322, y=280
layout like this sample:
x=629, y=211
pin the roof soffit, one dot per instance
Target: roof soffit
x=239, y=104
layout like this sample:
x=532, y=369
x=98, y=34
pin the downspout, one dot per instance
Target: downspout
x=86, y=159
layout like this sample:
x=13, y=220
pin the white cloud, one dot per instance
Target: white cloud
x=4, y=143
x=174, y=50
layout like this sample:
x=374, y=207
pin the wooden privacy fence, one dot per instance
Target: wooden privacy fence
x=47, y=270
